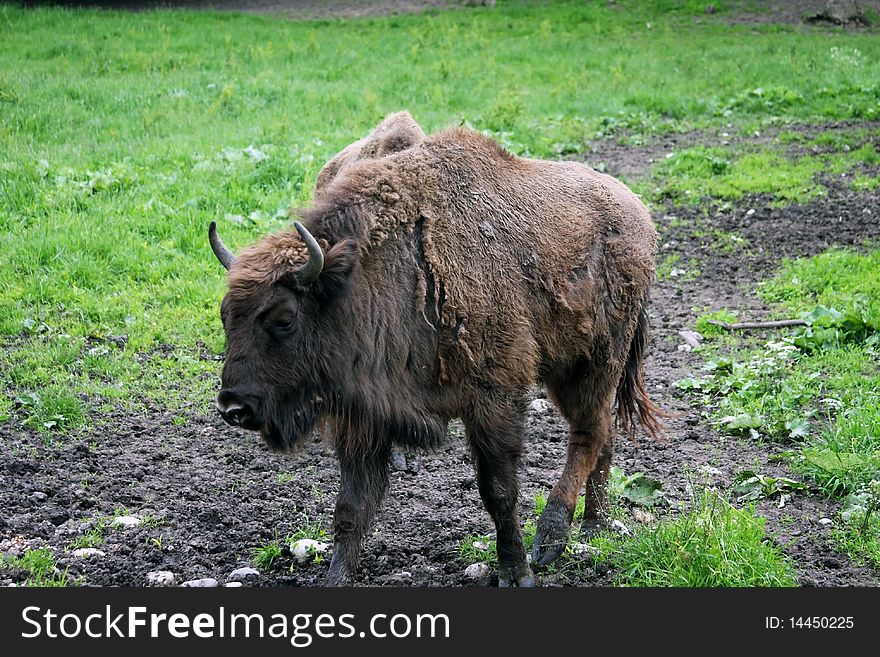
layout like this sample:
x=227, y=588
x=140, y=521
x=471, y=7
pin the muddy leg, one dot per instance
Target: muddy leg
x=363, y=481
x=496, y=453
x=552, y=532
x=596, y=499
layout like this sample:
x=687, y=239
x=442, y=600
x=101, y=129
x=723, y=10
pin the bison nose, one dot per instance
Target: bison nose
x=235, y=409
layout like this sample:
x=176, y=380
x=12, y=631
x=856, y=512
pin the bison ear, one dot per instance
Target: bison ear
x=338, y=264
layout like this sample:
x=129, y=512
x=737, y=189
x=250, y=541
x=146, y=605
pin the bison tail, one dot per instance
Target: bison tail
x=633, y=403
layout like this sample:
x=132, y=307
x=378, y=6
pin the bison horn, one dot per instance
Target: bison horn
x=312, y=269
x=224, y=255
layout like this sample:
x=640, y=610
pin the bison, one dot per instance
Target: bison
x=438, y=277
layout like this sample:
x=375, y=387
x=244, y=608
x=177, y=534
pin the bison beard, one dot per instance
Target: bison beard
x=440, y=277
x=287, y=424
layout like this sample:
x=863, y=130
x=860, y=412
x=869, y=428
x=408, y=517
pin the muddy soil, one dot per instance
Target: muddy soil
x=292, y=9
x=796, y=12
x=629, y=161
x=209, y=495
x=792, y=12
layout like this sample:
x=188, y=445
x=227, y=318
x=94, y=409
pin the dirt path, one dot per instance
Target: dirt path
x=293, y=9
x=793, y=12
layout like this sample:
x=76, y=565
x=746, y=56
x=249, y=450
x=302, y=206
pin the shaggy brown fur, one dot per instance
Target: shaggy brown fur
x=396, y=133
x=456, y=275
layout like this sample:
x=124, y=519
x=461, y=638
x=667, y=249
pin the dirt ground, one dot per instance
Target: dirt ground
x=211, y=494
x=293, y=9
x=741, y=11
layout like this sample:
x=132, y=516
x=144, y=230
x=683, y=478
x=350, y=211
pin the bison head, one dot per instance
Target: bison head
x=282, y=335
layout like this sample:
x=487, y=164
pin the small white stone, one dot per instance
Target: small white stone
x=233, y=585
x=692, y=338
x=480, y=545
x=539, y=406
x=750, y=212
x=476, y=571
x=244, y=573
x=126, y=521
x=86, y=553
x=204, y=583
x=825, y=521
x=306, y=548
x=160, y=578
x=619, y=527
x=581, y=548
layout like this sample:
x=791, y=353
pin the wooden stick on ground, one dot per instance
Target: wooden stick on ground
x=758, y=325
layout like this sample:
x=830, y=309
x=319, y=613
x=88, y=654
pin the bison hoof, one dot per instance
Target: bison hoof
x=516, y=576
x=551, y=534
x=338, y=581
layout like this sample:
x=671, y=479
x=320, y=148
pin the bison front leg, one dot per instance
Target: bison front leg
x=496, y=453
x=363, y=480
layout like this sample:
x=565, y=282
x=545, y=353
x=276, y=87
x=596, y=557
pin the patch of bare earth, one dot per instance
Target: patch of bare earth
x=846, y=13
x=293, y=9
x=630, y=161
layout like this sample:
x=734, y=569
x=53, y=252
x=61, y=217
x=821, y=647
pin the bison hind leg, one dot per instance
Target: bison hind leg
x=596, y=506
x=584, y=395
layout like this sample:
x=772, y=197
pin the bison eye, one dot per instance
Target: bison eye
x=279, y=321
x=280, y=326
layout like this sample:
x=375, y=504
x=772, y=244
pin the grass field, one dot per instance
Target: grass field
x=123, y=135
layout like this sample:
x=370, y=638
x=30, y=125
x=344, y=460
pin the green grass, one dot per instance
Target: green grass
x=266, y=555
x=714, y=545
x=40, y=567
x=861, y=544
x=312, y=529
x=839, y=278
x=475, y=548
x=122, y=135
x=705, y=328
x=824, y=394
x=696, y=174
x=285, y=477
x=94, y=536
x=859, y=535
x=482, y=548
x=863, y=183
x=843, y=138
x=817, y=387
x=846, y=453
